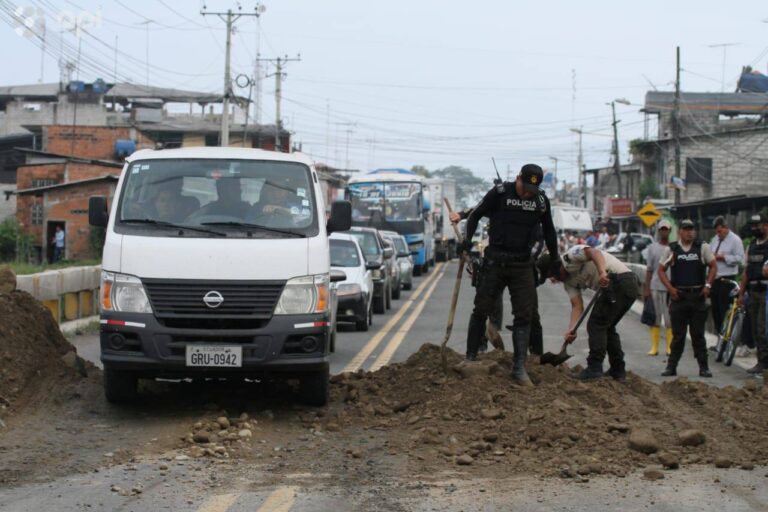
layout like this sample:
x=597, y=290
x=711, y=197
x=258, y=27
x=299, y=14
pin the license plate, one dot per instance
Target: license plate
x=215, y=356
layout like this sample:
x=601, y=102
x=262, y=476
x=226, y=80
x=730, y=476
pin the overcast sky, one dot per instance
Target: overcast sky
x=424, y=82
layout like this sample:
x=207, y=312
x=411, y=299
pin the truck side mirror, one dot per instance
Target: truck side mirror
x=388, y=252
x=98, y=215
x=338, y=276
x=341, y=217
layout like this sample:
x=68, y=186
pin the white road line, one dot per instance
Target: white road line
x=369, y=347
x=220, y=503
x=281, y=500
x=398, y=338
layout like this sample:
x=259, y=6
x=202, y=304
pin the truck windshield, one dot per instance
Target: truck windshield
x=344, y=254
x=232, y=196
x=391, y=202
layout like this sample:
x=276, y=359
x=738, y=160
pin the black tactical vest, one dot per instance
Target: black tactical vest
x=758, y=255
x=688, y=268
x=513, y=220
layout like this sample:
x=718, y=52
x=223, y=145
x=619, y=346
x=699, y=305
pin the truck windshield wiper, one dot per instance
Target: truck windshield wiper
x=256, y=226
x=165, y=224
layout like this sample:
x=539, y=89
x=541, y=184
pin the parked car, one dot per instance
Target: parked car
x=240, y=288
x=629, y=246
x=397, y=282
x=377, y=255
x=404, y=261
x=355, y=293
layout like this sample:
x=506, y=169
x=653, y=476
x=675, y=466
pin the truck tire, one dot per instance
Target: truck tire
x=313, y=388
x=440, y=256
x=396, y=291
x=120, y=387
x=379, y=304
x=408, y=286
x=362, y=325
x=416, y=271
x=388, y=296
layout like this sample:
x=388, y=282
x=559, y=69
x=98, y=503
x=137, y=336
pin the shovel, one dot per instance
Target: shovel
x=455, y=297
x=563, y=355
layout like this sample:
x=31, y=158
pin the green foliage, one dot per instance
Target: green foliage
x=14, y=243
x=467, y=184
x=31, y=268
x=640, y=149
x=648, y=188
x=421, y=171
x=96, y=239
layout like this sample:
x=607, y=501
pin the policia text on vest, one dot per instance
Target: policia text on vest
x=514, y=211
x=693, y=269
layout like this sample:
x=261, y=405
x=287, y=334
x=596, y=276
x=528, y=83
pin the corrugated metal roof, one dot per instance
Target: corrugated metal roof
x=118, y=92
x=37, y=190
x=727, y=103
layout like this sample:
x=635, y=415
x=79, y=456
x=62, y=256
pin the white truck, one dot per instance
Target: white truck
x=445, y=238
x=571, y=218
x=216, y=264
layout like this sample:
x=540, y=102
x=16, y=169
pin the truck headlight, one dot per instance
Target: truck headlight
x=120, y=292
x=304, y=295
x=349, y=289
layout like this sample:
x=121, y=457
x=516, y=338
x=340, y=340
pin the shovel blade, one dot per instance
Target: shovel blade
x=554, y=359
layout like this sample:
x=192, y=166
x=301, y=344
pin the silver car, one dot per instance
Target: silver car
x=404, y=261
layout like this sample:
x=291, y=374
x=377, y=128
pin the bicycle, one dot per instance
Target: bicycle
x=729, y=338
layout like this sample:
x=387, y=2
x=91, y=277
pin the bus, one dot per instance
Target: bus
x=396, y=200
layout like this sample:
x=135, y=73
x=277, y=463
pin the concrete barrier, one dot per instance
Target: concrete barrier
x=69, y=293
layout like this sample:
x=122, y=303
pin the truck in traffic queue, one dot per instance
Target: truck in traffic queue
x=445, y=238
x=216, y=265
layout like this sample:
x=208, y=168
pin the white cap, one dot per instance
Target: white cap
x=664, y=223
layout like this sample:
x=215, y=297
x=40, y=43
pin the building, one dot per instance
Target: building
x=723, y=140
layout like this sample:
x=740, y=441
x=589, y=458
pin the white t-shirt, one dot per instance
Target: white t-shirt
x=582, y=272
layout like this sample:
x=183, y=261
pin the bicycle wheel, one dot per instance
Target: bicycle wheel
x=735, y=340
x=719, y=347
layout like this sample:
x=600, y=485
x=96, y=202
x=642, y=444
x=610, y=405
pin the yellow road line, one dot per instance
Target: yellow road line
x=398, y=338
x=220, y=503
x=369, y=347
x=281, y=500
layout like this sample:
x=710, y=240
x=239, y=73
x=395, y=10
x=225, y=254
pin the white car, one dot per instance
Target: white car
x=355, y=293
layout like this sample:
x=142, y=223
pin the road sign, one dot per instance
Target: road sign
x=649, y=214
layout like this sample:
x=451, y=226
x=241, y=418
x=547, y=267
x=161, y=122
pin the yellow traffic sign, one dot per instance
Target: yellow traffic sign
x=649, y=214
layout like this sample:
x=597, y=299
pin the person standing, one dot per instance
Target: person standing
x=58, y=244
x=514, y=213
x=656, y=290
x=755, y=283
x=729, y=253
x=603, y=238
x=692, y=271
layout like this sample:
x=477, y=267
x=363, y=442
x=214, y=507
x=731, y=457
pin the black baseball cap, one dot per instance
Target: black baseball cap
x=758, y=218
x=531, y=175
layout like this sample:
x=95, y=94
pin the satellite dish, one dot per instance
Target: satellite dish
x=29, y=21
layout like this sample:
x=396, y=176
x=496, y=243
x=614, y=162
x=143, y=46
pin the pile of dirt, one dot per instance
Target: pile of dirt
x=475, y=415
x=35, y=358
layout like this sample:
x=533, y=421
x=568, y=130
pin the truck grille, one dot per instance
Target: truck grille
x=239, y=299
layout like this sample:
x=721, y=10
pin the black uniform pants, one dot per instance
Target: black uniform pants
x=756, y=308
x=721, y=300
x=606, y=314
x=688, y=313
x=536, y=343
x=515, y=276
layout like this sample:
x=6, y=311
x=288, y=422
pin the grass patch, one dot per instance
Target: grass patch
x=28, y=268
x=92, y=327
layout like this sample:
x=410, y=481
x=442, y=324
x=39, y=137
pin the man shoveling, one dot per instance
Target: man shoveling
x=587, y=267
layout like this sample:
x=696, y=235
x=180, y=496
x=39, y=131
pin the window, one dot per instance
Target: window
x=37, y=214
x=698, y=171
x=43, y=183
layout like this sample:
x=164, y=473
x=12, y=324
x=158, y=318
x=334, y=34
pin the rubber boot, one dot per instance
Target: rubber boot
x=671, y=370
x=669, y=341
x=704, y=369
x=474, y=336
x=655, y=335
x=757, y=369
x=618, y=373
x=593, y=371
x=520, y=337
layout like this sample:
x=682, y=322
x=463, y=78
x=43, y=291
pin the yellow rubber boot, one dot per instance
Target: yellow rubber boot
x=655, y=335
x=669, y=341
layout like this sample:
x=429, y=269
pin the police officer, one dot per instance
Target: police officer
x=754, y=282
x=692, y=270
x=514, y=212
x=588, y=267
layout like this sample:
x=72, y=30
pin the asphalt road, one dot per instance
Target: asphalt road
x=418, y=317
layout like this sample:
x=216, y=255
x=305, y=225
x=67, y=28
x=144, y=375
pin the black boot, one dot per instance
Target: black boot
x=474, y=336
x=520, y=337
x=704, y=369
x=617, y=373
x=671, y=370
x=758, y=368
x=593, y=371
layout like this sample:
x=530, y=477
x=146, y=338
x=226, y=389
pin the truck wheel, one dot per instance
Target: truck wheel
x=408, y=286
x=388, y=296
x=120, y=387
x=313, y=389
x=440, y=256
x=425, y=268
x=396, y=291
x=379, y=304
x=416, y=271
x=362, y=325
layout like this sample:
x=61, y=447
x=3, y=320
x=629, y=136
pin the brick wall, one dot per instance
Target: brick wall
x=96, y=142
x=70, y=205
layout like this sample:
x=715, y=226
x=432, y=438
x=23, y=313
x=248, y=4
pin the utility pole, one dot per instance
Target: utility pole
x=229, y=18
x=260, y=9
x=616, y=163
x=582, y=176
x=676, y=124
x=279, y=75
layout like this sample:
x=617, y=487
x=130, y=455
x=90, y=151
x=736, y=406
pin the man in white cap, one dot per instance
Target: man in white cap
x=656, y=290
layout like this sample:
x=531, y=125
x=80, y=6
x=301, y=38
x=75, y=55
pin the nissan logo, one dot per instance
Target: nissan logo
x=213, y=299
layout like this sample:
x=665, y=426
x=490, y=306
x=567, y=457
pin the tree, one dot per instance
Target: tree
x=468, y=186
x=421, y=171
x=648, y=188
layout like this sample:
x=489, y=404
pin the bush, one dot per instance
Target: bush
x=96, y=240
x=14, y=243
